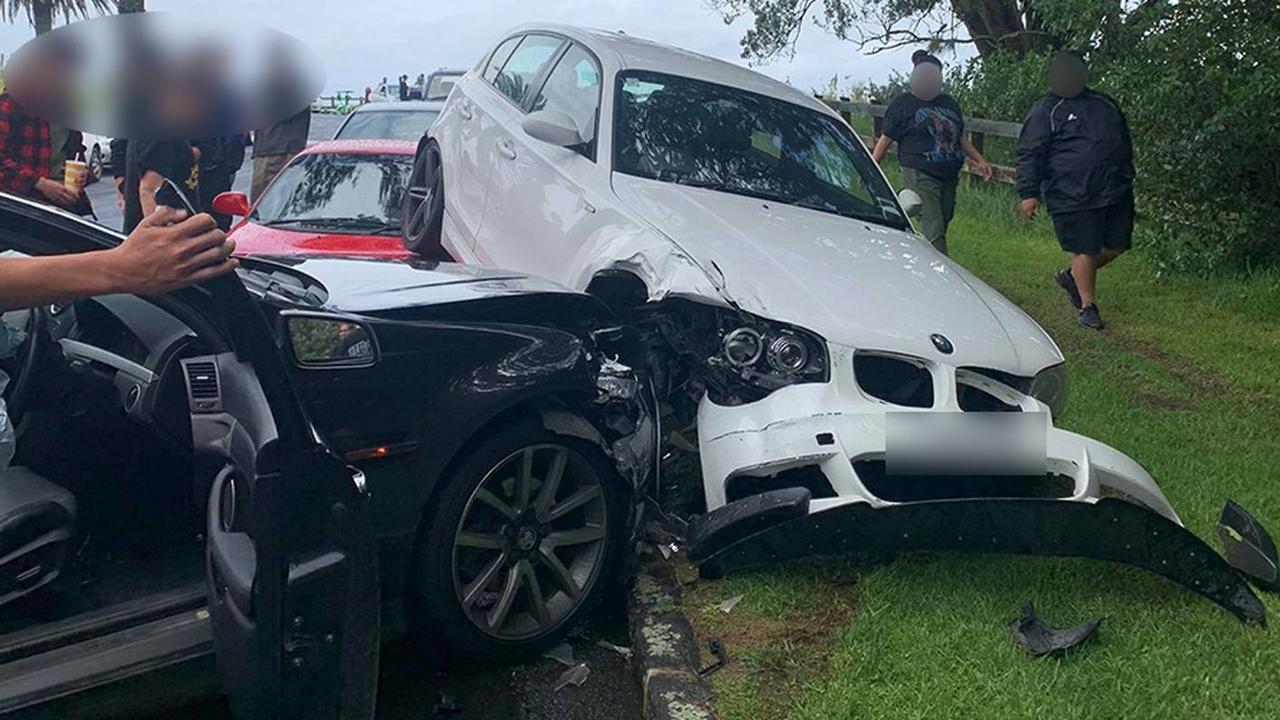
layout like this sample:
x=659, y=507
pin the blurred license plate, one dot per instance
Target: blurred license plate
x=965, y=443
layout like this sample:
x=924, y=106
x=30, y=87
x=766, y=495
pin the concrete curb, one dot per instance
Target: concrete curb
x=666, y=652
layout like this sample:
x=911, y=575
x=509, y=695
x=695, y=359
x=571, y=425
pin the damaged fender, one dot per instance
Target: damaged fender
x=1109, y=529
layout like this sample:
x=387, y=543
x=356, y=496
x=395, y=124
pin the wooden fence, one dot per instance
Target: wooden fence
x=977, y=128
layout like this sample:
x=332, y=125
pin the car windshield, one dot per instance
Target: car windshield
x=439, y=85
x=387, y=125
x=687, y=131
x=344, y=193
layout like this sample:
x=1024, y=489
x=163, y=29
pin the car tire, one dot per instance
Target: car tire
x=483, y=564
x=95, y=164
x=422, y=206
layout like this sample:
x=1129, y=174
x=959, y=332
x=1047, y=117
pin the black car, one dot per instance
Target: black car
x=233, y=470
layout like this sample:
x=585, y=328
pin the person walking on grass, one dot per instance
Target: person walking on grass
x=928, y=126
x=1075, y=155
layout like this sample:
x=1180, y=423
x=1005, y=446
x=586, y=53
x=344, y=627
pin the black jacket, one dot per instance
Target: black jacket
x=1075, y=153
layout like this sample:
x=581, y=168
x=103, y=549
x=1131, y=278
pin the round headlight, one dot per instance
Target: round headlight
x=743, y=346
x=788, y=354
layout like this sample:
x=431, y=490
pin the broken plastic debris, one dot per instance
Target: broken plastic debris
x=1248, y=547
x=1038, y=639
x=727, y=606
x=562, y=653
x=717, y=649
x=623, y=651
x=574, y=676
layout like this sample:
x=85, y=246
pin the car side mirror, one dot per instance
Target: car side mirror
x=910, y=201
x=232, y=203
x=325, y=342
x=554, y=127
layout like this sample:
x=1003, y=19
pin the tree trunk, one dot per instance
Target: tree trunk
x=42, y=16
x=131, y=6
x=999, y=23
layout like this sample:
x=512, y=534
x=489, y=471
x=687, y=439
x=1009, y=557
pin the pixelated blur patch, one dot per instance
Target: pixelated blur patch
x=164, y=76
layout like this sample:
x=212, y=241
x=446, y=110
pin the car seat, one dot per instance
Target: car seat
x=37, y=528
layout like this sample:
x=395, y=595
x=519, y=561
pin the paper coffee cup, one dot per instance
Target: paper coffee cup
x=75, y=174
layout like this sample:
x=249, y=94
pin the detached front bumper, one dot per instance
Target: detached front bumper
x=1106, y=506
x=832, y=430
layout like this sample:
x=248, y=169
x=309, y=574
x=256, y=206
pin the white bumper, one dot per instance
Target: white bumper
x=831, y=425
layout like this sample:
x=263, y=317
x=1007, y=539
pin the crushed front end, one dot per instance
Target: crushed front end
x=800, y=463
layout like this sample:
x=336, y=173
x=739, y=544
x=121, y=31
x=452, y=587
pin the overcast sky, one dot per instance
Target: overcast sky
x=362, y=41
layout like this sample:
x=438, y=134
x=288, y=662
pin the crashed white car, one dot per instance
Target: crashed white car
x=785, y=302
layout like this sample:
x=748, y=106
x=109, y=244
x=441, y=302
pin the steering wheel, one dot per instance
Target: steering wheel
x=20, y=382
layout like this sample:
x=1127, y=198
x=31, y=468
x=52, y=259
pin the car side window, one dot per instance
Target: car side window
x=525, y=64
x=573, y=88
x=499, y=57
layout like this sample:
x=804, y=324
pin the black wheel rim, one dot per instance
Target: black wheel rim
x=530, y=544
x=419, y=198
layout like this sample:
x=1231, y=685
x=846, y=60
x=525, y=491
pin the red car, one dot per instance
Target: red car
x=340, y=197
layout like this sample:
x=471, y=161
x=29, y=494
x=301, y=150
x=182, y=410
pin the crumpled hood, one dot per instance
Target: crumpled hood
x=855, y=283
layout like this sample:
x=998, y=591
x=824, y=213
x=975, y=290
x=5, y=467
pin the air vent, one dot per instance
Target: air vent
x=895, y=380
x=202, y=385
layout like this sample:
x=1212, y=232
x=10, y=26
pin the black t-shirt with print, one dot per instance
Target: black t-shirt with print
x=928, y=134
x=172, y=159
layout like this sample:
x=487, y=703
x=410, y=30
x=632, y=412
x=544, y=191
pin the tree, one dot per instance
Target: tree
x=1016, y=27
x=40, y=13
x=131, y=6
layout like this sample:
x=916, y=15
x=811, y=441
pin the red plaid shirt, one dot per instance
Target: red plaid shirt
x=25, y=151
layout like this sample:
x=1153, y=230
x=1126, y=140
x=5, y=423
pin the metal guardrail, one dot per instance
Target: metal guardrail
x=977, y=128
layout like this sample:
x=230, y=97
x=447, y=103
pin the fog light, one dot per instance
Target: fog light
x=788, y=354
x=743, y=346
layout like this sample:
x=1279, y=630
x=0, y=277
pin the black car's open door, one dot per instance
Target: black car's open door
x=291, y=568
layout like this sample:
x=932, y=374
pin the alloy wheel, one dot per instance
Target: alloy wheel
x=419, y=197
x=530, y=543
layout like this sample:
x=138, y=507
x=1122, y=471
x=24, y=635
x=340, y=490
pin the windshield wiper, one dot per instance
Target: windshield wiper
x=373, y=224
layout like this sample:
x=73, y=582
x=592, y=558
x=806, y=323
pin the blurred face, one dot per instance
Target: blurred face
x=1067, y=78
x=926, y=81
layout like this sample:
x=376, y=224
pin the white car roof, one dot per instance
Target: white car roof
x=633, y=53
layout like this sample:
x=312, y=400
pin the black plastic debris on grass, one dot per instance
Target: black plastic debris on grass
x=721, y=659
x=1039, y=639
x=1248, y=547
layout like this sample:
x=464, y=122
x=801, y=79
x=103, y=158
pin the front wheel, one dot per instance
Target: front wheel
x=422, y=206
x=520, y=545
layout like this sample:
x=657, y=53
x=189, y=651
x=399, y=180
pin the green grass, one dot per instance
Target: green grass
x=1186, y=381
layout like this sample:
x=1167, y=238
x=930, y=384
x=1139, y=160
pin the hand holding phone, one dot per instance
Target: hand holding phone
x=170, y=195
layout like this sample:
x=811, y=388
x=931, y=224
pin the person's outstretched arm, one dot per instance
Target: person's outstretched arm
x=155, y=258
x=971, y=152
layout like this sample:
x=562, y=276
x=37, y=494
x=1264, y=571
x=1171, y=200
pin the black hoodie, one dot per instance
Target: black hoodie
x=1075, y=153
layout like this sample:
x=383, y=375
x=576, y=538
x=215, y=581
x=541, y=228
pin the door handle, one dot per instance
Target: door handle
x=464, y=111
x=507, y=149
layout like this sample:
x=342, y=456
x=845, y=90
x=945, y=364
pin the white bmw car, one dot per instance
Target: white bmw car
x=742, y=228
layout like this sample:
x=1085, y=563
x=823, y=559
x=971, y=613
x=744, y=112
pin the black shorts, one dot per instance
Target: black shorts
x=1089, y=232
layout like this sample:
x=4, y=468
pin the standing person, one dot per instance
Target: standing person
x=26, y=158
x=1075, y=154
x=382, y=87
x=419, y=91
x=147, y=164
x=404, y=87
x=928, y=126
x=275, y=146
x=220, y=160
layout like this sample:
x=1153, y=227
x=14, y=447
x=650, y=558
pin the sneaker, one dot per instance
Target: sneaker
x=1090, y=318
x=1068, y=283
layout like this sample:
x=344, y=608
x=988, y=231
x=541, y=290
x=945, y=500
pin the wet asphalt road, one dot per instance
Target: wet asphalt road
x=412, y=687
